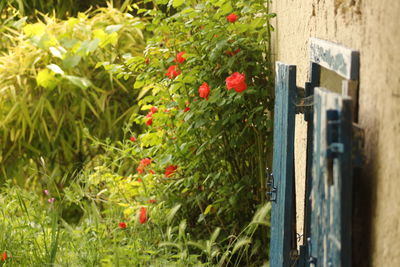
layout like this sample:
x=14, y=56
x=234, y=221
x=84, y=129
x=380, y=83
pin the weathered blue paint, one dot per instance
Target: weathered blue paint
x=282, y=218
x=331, y=180
x=335, y=57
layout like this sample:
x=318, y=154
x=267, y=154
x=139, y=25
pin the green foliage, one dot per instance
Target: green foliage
x=220, y=145
x=62, y=8
x=53, y=94
x=194, y=164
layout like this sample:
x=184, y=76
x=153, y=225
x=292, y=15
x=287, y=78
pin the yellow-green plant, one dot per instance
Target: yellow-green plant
x=62, y=8
x=52, y=95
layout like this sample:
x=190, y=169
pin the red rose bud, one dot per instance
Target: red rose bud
x=147, y=61
x=149, y=122
x=232, y=18
x=133, y=139
x=143, y=215
x=204, y=90
x=169, y=171
x=122, y=225
x=152, y=201
x=232, y=53
x=186, y=109
x=237, y=82
x=173, y=72
x=180, y=58
x=4, y=256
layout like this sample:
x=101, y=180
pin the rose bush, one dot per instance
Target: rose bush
x=220, y=138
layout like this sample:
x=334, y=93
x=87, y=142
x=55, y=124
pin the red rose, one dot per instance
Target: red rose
x=140, y=169
x=170, y=170
x=232, y=17
x=204, y=90
x=143, y=215
x=149, y=114
x=133, y=139
x=153, y=109
x=180, y=58
x=149, y=122
x=139, y=180
x=4, y=256
x=145, y=162
x=173, y=72
x=186, y=109
x=237, y=82
x=122, y=225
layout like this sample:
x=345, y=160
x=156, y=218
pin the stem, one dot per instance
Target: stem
x=260, y=166
x=269, y=53
x=232, y=158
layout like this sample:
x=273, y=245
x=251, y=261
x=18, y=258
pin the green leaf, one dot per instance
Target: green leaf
x=138, y=84
x=71, y=61
x=177, y=3
x=215, y=235
x=172, y=212
x=197, y=245
x=170, y=244
x=46, y=79
x=56, y=69
x=241, y=243
x=208, y=209
x=82, y=83
x=36, y=29
x=89, y=46
x=226, y=8
x=113, y=28
x=55, y=52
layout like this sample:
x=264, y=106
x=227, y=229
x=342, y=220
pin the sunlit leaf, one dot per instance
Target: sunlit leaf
x=56, y=69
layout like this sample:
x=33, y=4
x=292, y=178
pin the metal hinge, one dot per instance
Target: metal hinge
x=271, y=193
x=311, y=260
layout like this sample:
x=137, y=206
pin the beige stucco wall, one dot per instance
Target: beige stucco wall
x=373, y=28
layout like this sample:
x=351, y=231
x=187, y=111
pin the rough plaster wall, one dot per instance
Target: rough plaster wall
x=373, y=28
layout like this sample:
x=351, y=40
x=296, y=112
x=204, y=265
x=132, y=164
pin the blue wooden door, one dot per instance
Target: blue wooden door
x=331, y=202
x=282, y=194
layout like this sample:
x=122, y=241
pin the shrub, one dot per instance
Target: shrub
x=207, y=99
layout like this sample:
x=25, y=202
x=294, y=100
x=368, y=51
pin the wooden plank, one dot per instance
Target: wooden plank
x=314, y=81
x=331, y=180
x=338, y=58
x=282, y=218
